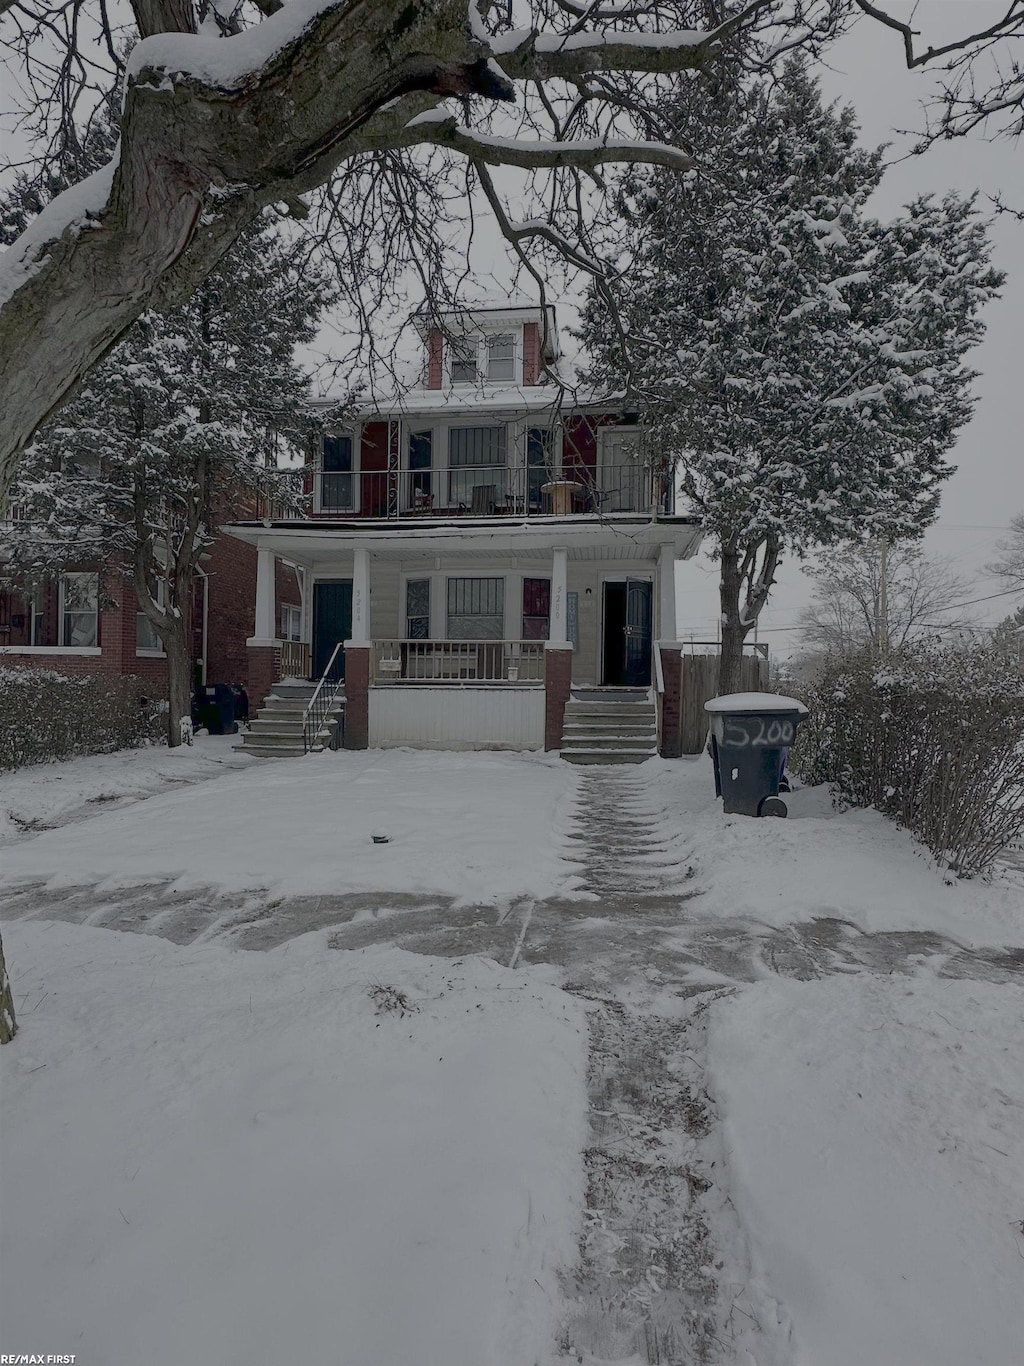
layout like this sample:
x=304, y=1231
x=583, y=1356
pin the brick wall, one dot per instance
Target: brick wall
x=357, y=698
x=435, y=352
x=531, y=354
x=557, y=684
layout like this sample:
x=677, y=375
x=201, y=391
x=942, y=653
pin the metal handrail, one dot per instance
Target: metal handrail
x=317, y=708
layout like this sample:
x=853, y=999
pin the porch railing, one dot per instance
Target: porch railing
x=294, y=659
x=458, y=661
x=491, y=491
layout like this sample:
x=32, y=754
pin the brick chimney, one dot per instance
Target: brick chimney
x=531, y=354
x=435, y=344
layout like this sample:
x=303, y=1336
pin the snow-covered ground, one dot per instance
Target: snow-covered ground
x=482, y=826
x=874, y=1131
x=230, y=1156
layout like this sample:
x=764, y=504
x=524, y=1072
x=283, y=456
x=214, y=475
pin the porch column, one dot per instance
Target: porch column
x=666, y=593
x=265, y=632
x=361, y=598
x=558, y=624
x=557, y=654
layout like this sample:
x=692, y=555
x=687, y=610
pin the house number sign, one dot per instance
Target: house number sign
x=758, y=732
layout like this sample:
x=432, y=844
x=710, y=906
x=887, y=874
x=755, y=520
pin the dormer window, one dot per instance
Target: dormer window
x=464, y=360
x=501, y=356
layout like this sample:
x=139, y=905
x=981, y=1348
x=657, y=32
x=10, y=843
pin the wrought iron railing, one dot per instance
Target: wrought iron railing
x=491, y=491
x=458, y=661
x=321, y=706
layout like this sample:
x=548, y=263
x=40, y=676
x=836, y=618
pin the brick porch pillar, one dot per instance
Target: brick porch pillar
x=262, y=672
x=557, y=684
x=670, y=741
x=357, y=694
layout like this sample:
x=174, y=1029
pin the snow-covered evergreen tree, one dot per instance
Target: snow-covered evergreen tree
x=800, y=362
x=177, y=430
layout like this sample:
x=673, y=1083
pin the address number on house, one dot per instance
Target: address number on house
x=758, y=732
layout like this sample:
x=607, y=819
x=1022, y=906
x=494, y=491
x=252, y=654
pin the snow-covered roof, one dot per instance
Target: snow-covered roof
x=489, y=398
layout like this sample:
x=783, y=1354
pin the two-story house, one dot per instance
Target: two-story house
x=477, y=550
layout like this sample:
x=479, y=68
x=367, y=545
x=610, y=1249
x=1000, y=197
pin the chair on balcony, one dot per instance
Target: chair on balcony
x=422, y=501
x=484, y=499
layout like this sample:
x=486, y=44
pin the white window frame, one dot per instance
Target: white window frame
x=62, y=607
x=480, y=337
x=151, y=651
x=291, y=614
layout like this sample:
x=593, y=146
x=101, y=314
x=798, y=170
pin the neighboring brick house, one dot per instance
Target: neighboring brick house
x=74, y=628
x=482, y=551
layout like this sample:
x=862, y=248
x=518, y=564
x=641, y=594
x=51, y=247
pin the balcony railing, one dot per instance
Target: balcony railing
x=294, y=659
x=491, y=491
x=458, y=661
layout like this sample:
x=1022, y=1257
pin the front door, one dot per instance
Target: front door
x=332, y=622
x=628, y=633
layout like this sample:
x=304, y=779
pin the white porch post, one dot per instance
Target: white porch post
x=265, y=625
x=666, y=593
x=558, y=625
x=361, y=598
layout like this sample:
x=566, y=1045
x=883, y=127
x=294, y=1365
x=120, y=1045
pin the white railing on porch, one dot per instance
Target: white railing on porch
x=294, y=659
x=458, y=661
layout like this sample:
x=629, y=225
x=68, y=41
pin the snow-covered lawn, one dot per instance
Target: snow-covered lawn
x=854, y=866
x=216, y=1155
x=482, y=826
x=874, y=1132
x=222, y=1157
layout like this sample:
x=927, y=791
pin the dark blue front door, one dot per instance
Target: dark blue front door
x=332, y=622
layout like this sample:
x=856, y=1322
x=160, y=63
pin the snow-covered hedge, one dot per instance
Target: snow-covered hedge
x=933, y=737
x=46, y=715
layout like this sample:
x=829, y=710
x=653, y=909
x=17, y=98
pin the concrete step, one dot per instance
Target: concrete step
x=617, y=726
x=597, y=743
x=598, y=709
x=281, y=752
x=609, y=756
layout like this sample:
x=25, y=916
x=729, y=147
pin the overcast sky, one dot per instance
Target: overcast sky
x=867, y=71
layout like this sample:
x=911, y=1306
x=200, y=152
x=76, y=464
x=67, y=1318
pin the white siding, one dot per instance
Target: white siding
x=457, y=718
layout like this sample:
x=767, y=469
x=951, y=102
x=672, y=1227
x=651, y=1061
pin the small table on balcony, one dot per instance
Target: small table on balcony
x=557, y=497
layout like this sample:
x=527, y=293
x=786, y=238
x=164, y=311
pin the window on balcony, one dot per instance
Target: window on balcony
x=79, y=610
x=539, y=467
x=476, y=609
x=337, y=486
x=477, y=474
x=417, y=609
x=465, y=360
x=501, y=357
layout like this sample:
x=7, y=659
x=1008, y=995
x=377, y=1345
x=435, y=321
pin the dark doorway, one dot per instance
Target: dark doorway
x=627, y=634
x=332, y=622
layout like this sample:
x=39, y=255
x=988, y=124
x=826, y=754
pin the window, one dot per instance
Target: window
x=79, y=609
x=476, y=456
x=146, y=638
x=539, y=469
x=501, y=356
x=417, y=609
x=464, y=351
x=476, y=609
x=536, y=609
x=291, y=622
x=336, y=483
x=421, y=459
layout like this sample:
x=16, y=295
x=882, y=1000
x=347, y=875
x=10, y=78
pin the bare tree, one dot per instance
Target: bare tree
x=8, y=1024
x=875, y=595
x=401, y=109
x=1010, y=565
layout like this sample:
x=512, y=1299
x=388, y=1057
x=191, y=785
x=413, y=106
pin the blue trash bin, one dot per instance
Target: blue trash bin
x=751, y=734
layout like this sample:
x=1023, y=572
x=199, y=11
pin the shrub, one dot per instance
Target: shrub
x=46, y=715
x=933, y=737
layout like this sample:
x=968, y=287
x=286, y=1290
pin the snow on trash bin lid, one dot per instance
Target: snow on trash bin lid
x=755, y=701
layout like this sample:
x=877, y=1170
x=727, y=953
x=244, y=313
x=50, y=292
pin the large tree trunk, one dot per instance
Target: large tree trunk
x=734, y=633
x=8, y=1024
x=179, y=678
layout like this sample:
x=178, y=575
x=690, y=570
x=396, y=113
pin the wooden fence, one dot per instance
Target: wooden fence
x=700, y=683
